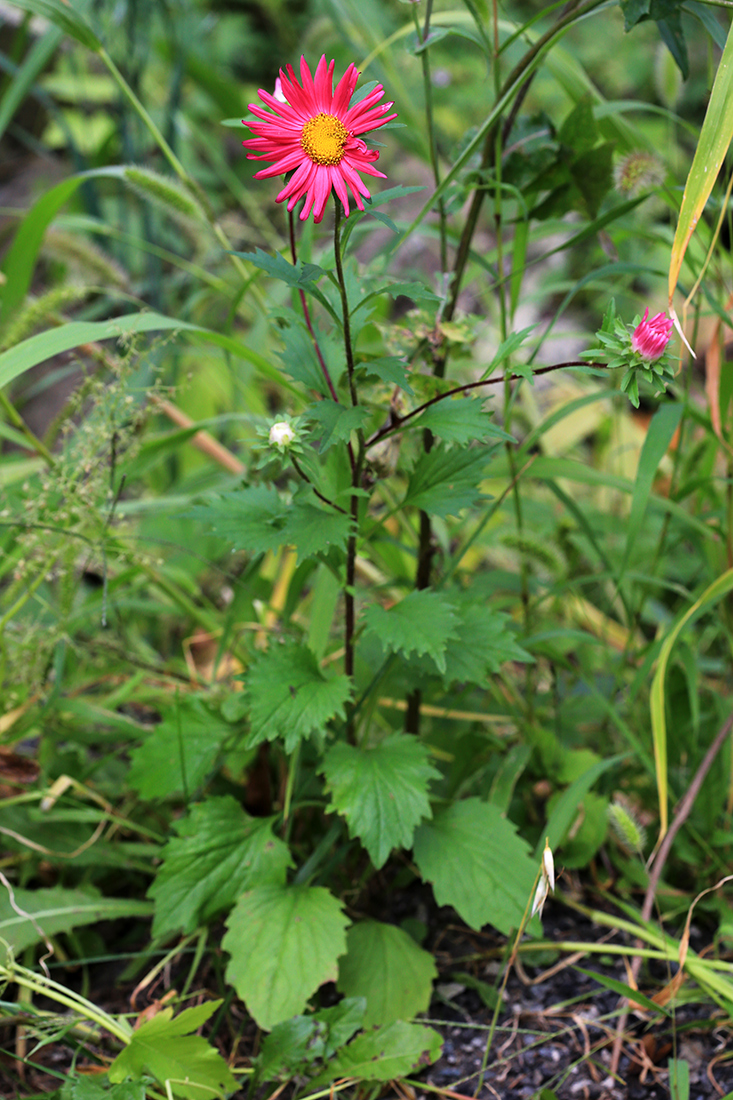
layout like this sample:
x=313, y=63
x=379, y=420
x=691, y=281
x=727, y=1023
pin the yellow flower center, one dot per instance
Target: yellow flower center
x=323, y=138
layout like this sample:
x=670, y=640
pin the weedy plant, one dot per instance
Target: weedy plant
x=415, y=617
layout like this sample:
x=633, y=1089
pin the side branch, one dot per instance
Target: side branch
x=396, y=422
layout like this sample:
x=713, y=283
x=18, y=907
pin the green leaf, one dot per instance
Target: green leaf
x=566, y=808
x=251, y=519
x=221, y=851
x=384, y=1054
x=49, y=911
x=389, y=369
x=338, y=421
x=178, y=754
x=290, y=697
x=165, y=1048
x=459, y=420
x=656, y=442
x=476, y=863
x=298, y=275
x=44, y=345
x=66, y=17
x=100, y=1088
x=381, y=791
x=592, y=174
x=385, y=965
x=284, y=942
x=443, y=482
x=314, y=529
x=297, y=1043
x=624, y=991
x=423, y=622
x=484, y=640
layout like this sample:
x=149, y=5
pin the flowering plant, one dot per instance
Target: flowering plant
x=314, y=134
x=643, y=348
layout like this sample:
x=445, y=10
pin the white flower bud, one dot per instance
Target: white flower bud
x=540, y=896
x=281, y=434
x=548, y=866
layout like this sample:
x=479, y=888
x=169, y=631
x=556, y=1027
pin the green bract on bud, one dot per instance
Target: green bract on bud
x=282, y=434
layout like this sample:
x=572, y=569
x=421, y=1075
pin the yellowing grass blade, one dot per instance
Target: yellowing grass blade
x=711, y=595
x=715, y=137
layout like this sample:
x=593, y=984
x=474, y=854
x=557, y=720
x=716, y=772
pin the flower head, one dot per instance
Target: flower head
x=650, y=338
x=313, y=133
x=282, y=434
x=637, y=172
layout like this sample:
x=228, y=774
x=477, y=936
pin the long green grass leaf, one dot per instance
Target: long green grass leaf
x=715, y=592
x=715, y=137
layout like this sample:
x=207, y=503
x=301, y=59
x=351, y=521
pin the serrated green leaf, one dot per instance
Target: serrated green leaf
x=290, y=697
x=483, y=642
x=384, y=1054
x=165, y=1048
x=83, y=1087
x=251, y=519
x=300, y=1041
x=381, y=791
x=298, y=355
x=313, y=529
x=49, y=911
x=337, y=421
x=220, y=852
x=476, y=863
x=443, y=482
x=284, y=942
x=423, y=622
x=180, y=752
x=385, y=965
x=298, y=275
x=459, y=420
x=389, y=369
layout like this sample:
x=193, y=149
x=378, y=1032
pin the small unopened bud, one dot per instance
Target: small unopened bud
x=650, y=338
x=281, y=434
x=547, y=880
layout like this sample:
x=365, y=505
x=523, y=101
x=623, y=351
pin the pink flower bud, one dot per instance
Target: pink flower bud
x=651, y=337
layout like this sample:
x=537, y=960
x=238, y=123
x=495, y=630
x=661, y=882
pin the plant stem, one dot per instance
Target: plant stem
x=307, y=316
x=357, y=460
x=17, y=420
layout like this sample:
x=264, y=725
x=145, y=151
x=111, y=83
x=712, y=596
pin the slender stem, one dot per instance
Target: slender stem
x=397, y=422
x=320, y=495
x=357, y=460
x=307, y=316
x=348, y=349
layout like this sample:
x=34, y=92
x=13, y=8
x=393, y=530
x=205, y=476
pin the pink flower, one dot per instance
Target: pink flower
x=313, y=134
x=650, y=338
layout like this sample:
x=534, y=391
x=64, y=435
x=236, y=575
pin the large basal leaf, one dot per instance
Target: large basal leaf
x=385, y=965
x=476, y=863
x=166, y=1048
x=424, y=622
x=381, y=791
x=290, y=697
x=443, y=482
x=180, y=752
x=220, y=852
x=47, y=912
x=284, y=942
x=384, y=1054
